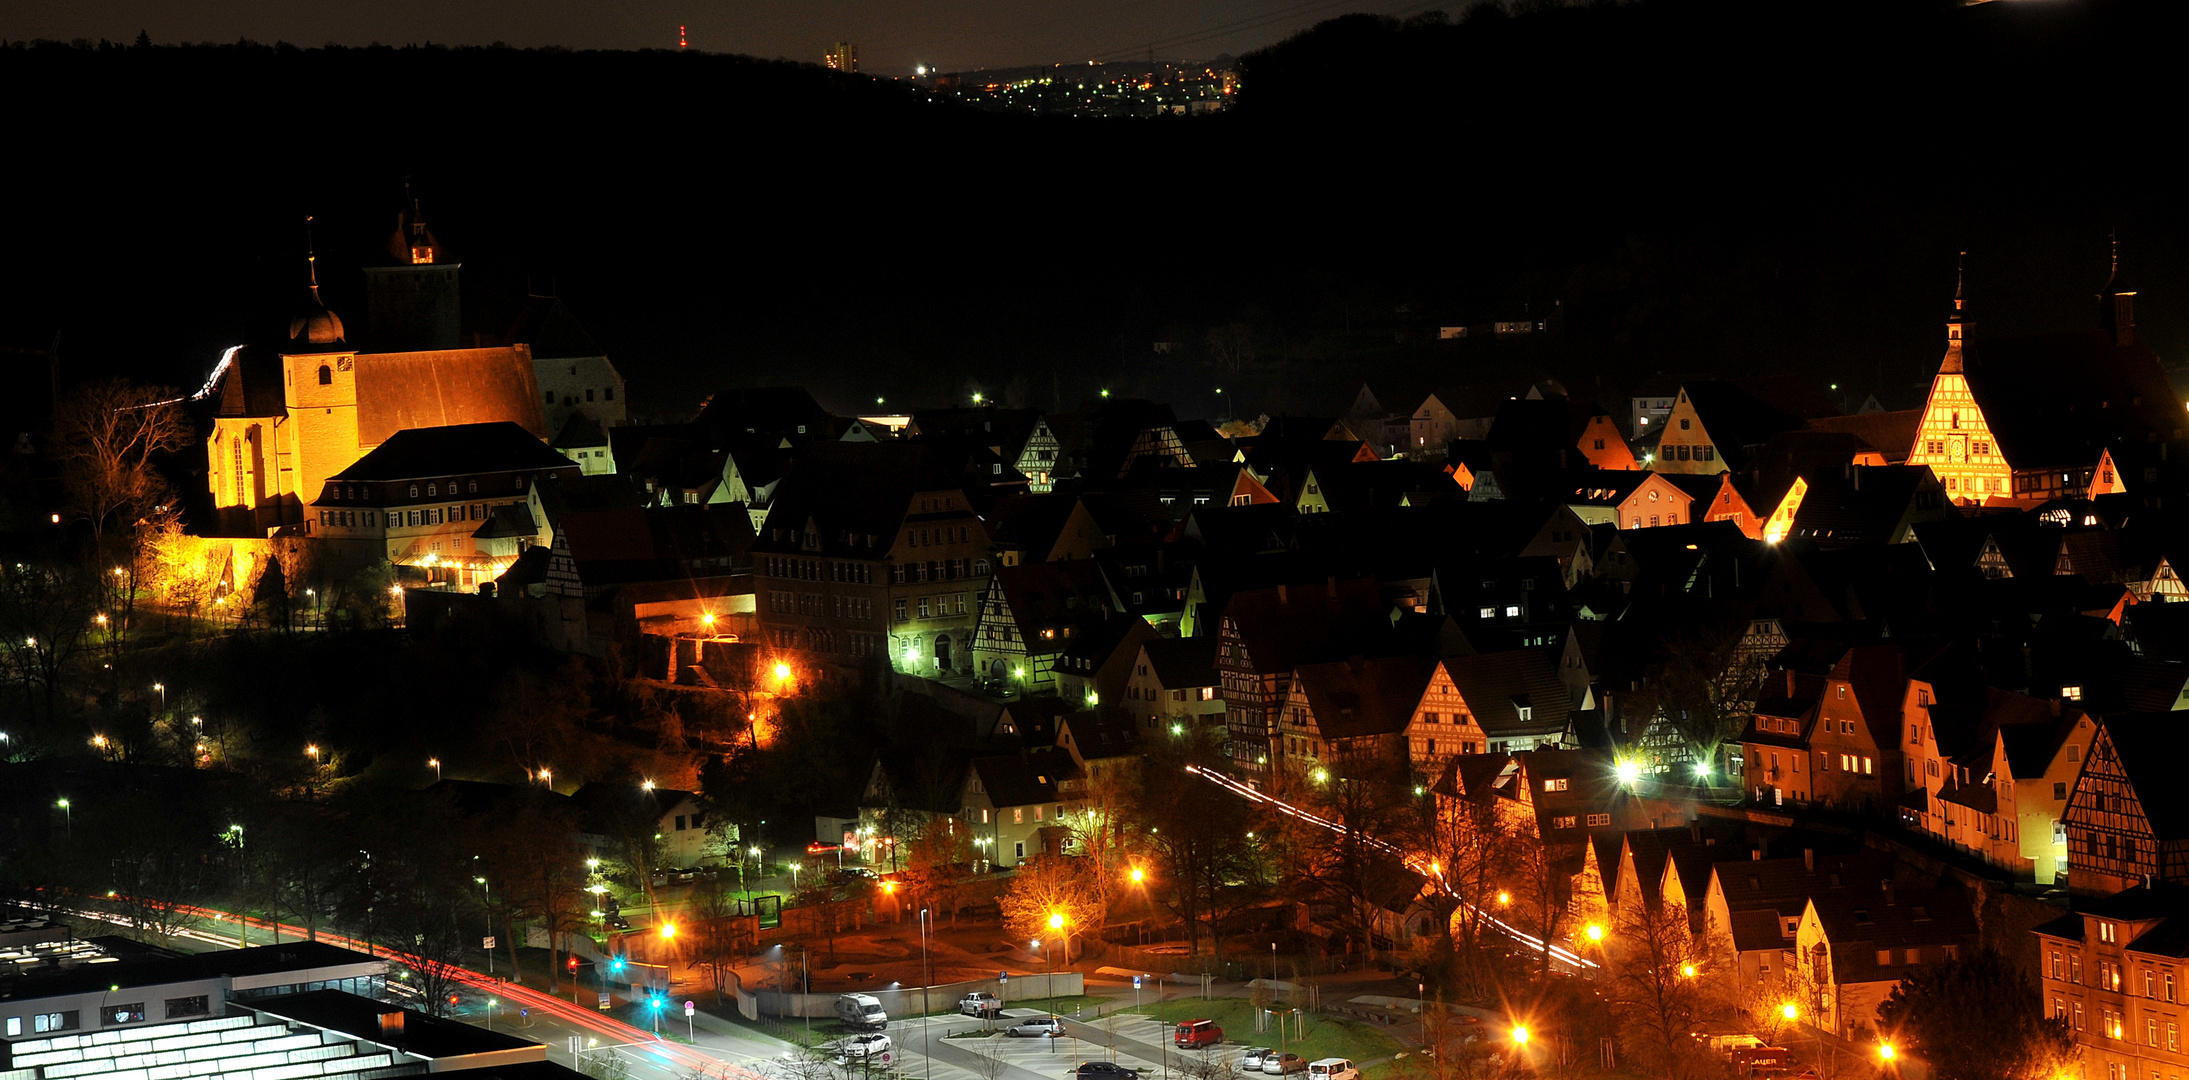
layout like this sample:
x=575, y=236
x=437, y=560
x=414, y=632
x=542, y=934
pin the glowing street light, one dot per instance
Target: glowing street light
x=436, y=763
x=1595, y=931
x=68, y=819
x=668, y=930
x=1138, y=875
x=1520, y=1036
x=1789, y=1011
x=1687, y=971
x=1629, y=771
x=1885, y=1051
x=1056, y=921
x=1504, y=897
x=313, y=750
x=646, y=785
x=547, y=777
x=782, y=670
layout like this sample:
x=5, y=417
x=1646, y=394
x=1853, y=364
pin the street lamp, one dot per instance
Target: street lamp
x=1886, y=1053
x=1056, y=923
x=313, y=750
x=68, y=820
x=436, y=763
x=927, y=980
x=162, y=688
x=243, y=922
x=547, y=778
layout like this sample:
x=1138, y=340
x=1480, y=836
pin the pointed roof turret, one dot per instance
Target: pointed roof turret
x=412, y=243
x=313, y=327
x=1957, y=321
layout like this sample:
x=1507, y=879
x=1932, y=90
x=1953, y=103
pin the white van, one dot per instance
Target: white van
x=861, y=1012
x=1332, y=1069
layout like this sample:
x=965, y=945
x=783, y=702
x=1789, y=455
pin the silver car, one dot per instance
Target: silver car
x=1039, y=1025
x=1251, y=1061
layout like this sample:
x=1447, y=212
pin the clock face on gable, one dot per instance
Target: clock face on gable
x=1957, y=448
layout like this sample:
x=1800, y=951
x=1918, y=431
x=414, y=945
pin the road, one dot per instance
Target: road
x=553, y=1021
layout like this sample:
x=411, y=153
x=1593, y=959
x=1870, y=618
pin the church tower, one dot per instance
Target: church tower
x=412, y=298
x=1954, y=439
x=2117, y=303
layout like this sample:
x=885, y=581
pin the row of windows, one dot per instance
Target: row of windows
x=851, y=573
x=945, y=570
x=1704, y=452
x=1427, y=748
x=1567, y=821
x=932, y=606
x=547, y=397
x=931, y=537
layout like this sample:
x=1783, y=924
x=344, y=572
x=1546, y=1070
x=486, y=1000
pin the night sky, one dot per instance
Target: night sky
x=893, y=35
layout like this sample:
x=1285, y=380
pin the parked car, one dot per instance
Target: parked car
x=1104, y=1070
x=1252, y=1059
x=1039, y=1025
x=1332, y=1069
x=1193, y=1034
x=980, y=1003
x=862, y=1046
x=1280, y=1064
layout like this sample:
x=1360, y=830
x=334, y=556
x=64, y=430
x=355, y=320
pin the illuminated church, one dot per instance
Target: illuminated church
x=289, y=417
x=2051, y=416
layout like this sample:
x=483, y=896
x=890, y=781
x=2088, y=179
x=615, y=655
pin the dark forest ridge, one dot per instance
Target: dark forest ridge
x=1703, y=185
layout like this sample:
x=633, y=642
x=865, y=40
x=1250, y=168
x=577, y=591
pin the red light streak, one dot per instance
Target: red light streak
x=1412, y=862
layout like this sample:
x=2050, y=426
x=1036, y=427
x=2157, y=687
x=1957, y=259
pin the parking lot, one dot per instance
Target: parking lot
x=1138, y=1042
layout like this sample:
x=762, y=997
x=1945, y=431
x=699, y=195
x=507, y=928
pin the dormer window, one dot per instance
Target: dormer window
x=414, y=491
x=431, y=490
x=472, y=485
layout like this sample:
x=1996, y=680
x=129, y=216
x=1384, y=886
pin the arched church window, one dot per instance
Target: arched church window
x=326, y=375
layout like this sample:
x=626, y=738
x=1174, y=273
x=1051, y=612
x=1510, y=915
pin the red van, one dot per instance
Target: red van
x=1193, y=1034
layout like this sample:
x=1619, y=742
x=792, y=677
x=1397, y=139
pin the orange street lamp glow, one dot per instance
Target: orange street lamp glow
x=1790, y=1012
x=668, y=930
x=1687, y=971
x=1886, y=1051
x=889, y=887
x=1520, y=1036
x=708, y=618
x=313, y=750
x=1056, y=921
x=1595, y=932
x=1138, y=874
x=782, y=671
x=1504, y=897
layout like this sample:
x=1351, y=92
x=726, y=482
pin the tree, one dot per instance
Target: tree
x=1367, y=792
x=106, y=435
x=715, y=931
x=937, y=862
x=1050, y=899
x=45, y=613
x=1977, y=1017
x=1471, y=841
x=1655, y=987
x=1196, y=831
x=1702, y=685
x=534, y=861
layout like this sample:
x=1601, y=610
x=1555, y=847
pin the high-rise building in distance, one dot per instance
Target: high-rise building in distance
x=842, y=56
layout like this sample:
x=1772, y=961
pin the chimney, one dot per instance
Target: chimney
x=391, y=1026
x=1695, y=830
x=1809, y=859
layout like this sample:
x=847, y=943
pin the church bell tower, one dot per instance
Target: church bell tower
x=413, y=300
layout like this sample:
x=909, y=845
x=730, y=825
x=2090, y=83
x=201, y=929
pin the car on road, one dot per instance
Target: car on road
x=1252, y=1059
x=1039, y=1025
x=863, y=1046
x=1280, y=1064
x=1104, y=1070
x=980, y=1003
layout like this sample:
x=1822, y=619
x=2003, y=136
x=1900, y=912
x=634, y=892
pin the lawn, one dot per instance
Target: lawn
x=1326, y=1037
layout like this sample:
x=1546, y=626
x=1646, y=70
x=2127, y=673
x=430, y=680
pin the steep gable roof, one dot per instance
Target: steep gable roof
x=451, y=387
x=420, y=453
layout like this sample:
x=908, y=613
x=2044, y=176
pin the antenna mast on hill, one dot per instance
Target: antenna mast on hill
x=681, y=41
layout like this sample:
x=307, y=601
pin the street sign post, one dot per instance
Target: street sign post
x=604, y=1001
x=487, y=943
x=1003, y=987
x=689, y=1028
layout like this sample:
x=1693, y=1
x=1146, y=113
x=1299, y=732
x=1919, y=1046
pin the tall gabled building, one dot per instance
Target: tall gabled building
x=2126, y=821
x=2052, y=415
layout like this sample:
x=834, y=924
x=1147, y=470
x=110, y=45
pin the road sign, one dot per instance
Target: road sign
x=1136, y=982
x=689, y=1008
x=604, y=1001
x=486, y=943
x=1003, y=976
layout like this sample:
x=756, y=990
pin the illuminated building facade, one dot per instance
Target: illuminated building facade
x=2115, y=973
x=2051, y=416
x=842, y=56
x=288, y=417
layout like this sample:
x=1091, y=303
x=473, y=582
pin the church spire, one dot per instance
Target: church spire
x=312, y=324
x=1957, y=322
x=2117, y=304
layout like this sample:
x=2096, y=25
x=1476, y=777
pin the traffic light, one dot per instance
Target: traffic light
x=616, y=965
x=573, y=963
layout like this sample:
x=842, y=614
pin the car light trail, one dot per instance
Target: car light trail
x=1412, y=863
x=514, y=995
